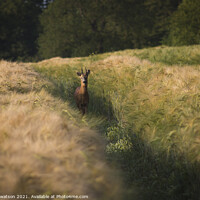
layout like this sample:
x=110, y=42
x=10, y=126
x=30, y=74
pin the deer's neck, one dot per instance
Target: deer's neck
x=83, y=88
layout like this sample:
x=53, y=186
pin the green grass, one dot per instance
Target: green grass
x=172, y=55
x=151, y=108
x=46, y=146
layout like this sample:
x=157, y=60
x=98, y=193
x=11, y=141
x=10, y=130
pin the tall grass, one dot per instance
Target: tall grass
x=45, y=145
x=172, y=55
x=152, y=112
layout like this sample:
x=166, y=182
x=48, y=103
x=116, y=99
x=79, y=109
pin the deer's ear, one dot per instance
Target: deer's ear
x=88, y=72
x=78, y=73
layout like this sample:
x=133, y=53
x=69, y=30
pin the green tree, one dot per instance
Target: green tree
x=144, y=22
x=159, y=13
x=19, y=28
x=78, y=28
x=133, y=22
x=185, y=24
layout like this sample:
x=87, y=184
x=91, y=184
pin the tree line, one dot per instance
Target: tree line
x=38, y=29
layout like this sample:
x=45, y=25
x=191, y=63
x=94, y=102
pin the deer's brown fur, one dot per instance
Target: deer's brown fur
x=81, y=94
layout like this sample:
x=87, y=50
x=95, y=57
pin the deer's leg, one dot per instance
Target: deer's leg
x=80, y=107
x=86, y=109
x=83, y=111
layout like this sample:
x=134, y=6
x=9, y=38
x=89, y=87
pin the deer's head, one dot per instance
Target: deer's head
x=83, y=77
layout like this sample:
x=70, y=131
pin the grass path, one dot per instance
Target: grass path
x=45, y=146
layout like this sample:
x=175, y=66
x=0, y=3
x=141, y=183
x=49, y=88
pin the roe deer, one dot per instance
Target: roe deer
x=81, y=94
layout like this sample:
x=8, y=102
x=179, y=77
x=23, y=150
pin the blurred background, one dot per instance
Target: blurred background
x=32, y=30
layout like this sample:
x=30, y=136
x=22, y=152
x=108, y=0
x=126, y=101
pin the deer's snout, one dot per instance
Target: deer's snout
x=84, y=80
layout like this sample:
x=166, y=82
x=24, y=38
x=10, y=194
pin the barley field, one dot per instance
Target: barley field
x=46, y=148
x=139, y=140
x=150, y=100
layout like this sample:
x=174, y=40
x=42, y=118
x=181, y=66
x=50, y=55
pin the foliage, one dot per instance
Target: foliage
x=19, y=28
x=185, y=24
x=159, y=13
x=75, y=28
x=79, y=28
